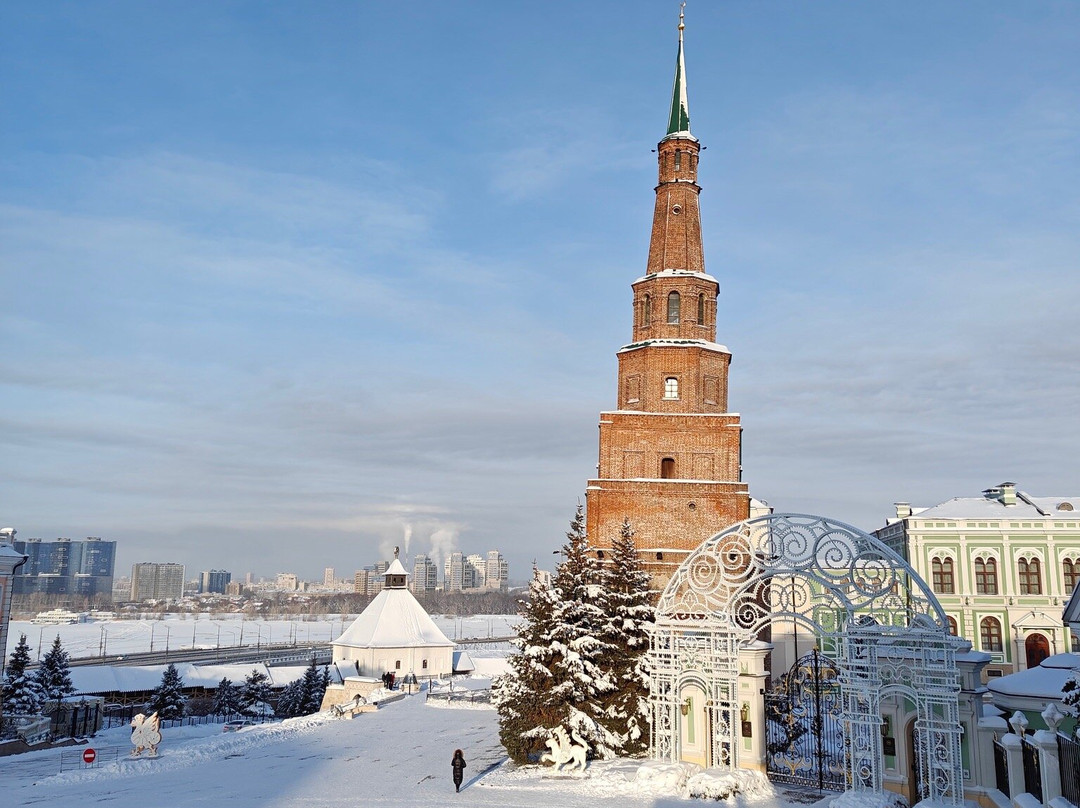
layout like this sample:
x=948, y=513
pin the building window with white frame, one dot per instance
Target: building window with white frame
x=1071, y=574
x=1029, y=576
x=943, y=576
x=990, y=634
x=986, y=576
x=671, y=387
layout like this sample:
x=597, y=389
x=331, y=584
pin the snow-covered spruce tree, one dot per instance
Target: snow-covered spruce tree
x=255, y=693
x=54, y=673
x=581, y=678
x=227, y=698
x=1071, y=689
x=22, y=693
x=168, y=700
x=629, y=612
x=312, y=689
x=290, y=702
x=526, y=716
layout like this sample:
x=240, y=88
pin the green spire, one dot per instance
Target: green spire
x=679, y=121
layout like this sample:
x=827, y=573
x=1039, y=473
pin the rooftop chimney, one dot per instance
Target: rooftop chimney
x=903, y=510
x=1008, y=493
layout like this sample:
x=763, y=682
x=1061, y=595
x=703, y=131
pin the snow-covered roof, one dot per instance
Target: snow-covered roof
x=394, y=619
x=395, y=568
x=133, y=678
x=1042, y=682
x=1026, y=507
x=463, y=662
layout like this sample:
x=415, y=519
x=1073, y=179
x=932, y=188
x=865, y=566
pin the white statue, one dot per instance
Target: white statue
x=145, y=734
x=564, y=752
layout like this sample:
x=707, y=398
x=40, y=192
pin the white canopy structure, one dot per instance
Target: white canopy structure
x=395, y=634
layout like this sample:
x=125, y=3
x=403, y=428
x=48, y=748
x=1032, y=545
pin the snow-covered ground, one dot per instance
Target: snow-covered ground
x=118, y=637
x=398, y=756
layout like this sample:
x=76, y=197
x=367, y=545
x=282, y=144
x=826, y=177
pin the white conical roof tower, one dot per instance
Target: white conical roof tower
x=394, y=619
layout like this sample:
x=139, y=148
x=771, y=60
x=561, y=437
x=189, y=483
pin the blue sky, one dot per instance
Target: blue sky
x=286, y=283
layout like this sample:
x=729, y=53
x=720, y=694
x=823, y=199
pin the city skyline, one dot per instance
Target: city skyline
x=279, y=281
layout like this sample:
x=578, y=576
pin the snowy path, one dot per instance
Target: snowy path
x=398, y=756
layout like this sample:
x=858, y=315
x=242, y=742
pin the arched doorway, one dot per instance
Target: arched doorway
x=1036, y=649
x=866, y=609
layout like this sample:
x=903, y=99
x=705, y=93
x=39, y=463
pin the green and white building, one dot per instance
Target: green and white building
x=1003, y=565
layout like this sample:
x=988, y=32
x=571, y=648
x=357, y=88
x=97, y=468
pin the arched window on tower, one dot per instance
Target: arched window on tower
x=667, y=468
x=701, y=309
x=646, y=315
x=678, y=159
x=671, y=387
x=990, y=634
x=673, y=308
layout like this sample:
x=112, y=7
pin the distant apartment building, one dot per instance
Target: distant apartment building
x=287, y=581
x=153, y=581
x=496, y=571
x=454, y=573
x=475, y=569
x=214, y=581
x=425, y=575
x=65, y=567
x=470, y=572
x=234, y=589
x=361, y=582
x=328, y=576
x=369, y=580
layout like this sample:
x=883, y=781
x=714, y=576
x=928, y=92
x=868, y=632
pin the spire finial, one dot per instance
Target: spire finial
x=679, y=120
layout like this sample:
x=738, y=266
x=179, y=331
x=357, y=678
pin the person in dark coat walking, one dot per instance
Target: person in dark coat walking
x=458, y=764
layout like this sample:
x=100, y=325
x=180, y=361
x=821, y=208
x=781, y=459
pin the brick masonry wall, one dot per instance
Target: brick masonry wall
x=702, y=375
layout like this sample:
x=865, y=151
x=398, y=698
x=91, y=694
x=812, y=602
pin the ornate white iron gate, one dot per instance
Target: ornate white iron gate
x=851, y=592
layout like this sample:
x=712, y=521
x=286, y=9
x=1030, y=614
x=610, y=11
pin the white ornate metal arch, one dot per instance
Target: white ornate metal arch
x=884, y=624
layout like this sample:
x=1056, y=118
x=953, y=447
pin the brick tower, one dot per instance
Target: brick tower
x=670, y=453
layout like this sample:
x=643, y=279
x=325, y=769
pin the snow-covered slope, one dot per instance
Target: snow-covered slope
x=398, y=757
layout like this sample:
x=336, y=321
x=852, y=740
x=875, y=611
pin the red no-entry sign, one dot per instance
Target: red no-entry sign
x=89, y=755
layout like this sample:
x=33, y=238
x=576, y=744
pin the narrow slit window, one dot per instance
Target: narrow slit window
x=646, y=316
x=673, y=308
x=701, y=309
